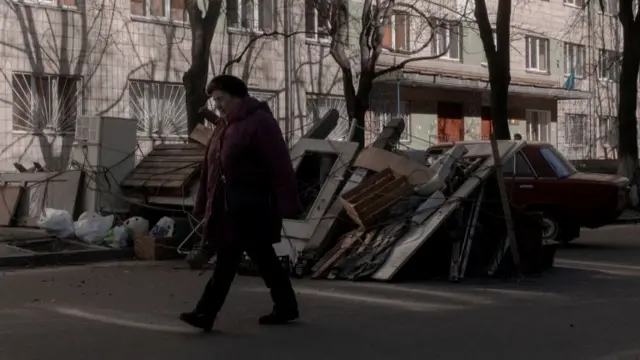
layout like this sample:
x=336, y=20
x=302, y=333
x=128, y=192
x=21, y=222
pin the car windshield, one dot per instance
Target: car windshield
x=558, y=163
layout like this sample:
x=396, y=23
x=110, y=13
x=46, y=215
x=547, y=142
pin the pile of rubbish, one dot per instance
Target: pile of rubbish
x=95, y=229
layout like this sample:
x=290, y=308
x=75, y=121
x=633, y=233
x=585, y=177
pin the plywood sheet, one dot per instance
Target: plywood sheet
x=379, y=159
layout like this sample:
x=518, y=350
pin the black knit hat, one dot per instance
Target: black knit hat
x=230, y=84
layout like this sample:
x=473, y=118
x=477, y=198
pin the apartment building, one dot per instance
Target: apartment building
x=125, y=58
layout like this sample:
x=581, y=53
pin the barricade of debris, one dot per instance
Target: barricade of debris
x=374, y=213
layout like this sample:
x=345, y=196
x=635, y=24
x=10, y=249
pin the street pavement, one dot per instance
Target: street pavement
x=584, y=309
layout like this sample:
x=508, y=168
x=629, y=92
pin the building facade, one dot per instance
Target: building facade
x=126, y=58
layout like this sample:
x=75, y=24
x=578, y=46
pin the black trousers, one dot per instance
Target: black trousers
x=274, y=275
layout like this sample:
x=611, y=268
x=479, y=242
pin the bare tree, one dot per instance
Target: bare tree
x=629, y=16
x=203, y=19
x=361, y=70
x=498, y=61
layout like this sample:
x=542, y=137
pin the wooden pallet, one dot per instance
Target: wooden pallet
x=167, y=166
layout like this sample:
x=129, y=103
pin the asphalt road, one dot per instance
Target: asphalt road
x=585, y=308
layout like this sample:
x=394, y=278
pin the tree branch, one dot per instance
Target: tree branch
x=252, y=41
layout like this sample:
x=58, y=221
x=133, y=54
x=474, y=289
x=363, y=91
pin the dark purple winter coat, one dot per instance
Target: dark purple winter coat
x=247, y=148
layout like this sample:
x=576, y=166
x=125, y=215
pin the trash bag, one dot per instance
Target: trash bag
x=139, y=225
x=92, y=227
x=56, y=222
x=118, y=237
x=163, y=228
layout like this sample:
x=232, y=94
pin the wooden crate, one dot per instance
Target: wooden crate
x=150, y=248
x=372, y=198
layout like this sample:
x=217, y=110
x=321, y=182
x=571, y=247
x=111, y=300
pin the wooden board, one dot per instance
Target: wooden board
x=153, y=183
x=170, y=166
x=157, y=177
x=187, y=146
x=163, y=170
x=9, y=200
x=185, y=158
x=201, y=134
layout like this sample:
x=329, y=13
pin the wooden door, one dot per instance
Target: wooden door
x=450, y=121
x=486, y=125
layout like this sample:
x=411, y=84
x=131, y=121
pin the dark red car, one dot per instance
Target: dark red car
x=539, y=178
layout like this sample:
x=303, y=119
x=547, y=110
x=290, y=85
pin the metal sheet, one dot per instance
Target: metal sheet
x=346, y=151
x=329, y=227
x=57, y=190
x=418, y=235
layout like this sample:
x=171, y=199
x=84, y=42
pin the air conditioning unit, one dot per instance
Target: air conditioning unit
x=105, y=148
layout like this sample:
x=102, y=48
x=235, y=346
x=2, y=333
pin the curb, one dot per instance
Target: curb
x=75, y=257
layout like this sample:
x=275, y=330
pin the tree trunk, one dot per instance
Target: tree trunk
x=627, y=121
x=195, y=78
x=499, y=79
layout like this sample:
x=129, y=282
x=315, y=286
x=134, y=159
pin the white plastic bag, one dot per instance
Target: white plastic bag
x=92, y=227
x=163, y=228
x=117, y=237
x=56, y=222
x=139, y=225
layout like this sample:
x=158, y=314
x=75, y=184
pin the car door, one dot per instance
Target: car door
x=521, y=180
x=545, y=188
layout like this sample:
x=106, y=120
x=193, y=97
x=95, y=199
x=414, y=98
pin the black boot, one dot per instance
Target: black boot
x=279, y=317
x=198, y=320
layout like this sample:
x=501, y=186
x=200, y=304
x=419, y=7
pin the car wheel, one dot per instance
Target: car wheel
x=550, y=228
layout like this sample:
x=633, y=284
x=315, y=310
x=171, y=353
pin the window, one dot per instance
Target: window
x=253, y=15
x=538, y=125
x=397, y=32
x=608, y=130
x=319, y=105
x=45, y=102
x=575, y=129
x=63, y=3
x=271, y=98
x=161, y=9
x=557, y=162
x=520, y=168
x=159, y=108
x=317, y=20
x=576, y=3
x=384, y=111
x=537, y=54
x=609, y=65
x=447, y=34
x=574, y=56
